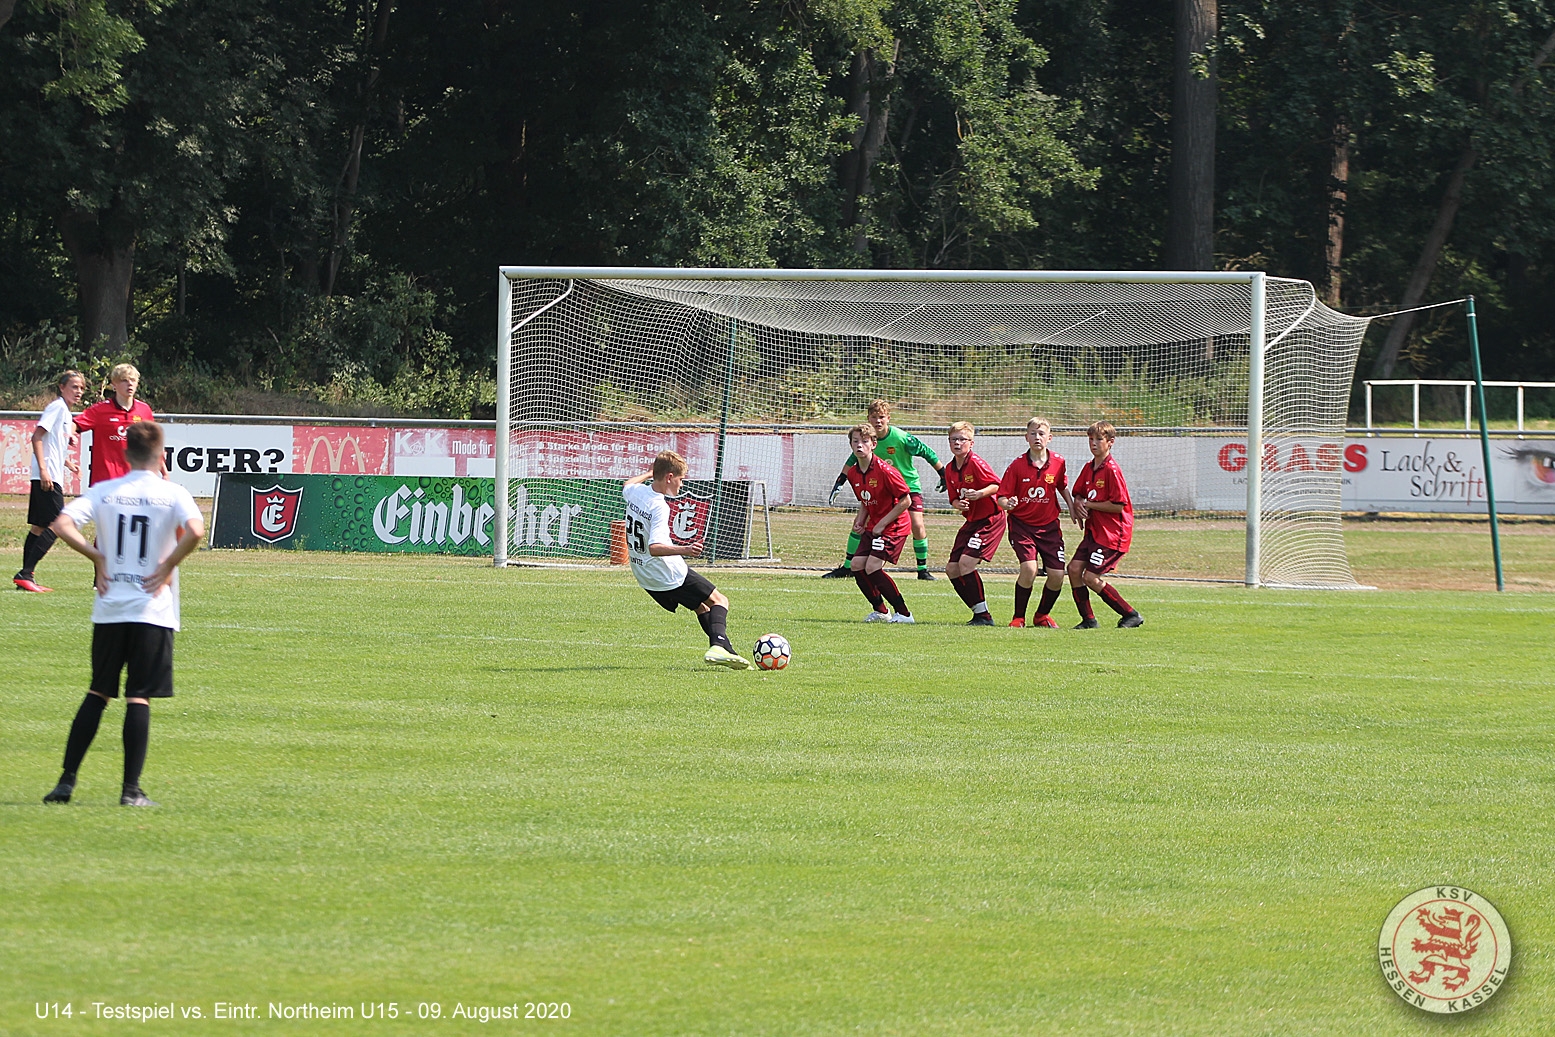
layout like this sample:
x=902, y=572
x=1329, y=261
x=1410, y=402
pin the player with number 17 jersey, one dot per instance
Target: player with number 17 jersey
x=140, y=518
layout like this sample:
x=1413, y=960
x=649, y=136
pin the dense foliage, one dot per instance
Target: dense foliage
x=313, y=196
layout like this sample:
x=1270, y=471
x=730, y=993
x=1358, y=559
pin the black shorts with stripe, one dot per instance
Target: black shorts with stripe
x=145, y=649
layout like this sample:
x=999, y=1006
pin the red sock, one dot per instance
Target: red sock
x=1114, y=600
x=888, y=590
x=867, y=585
x=962, y=590
x=1082, y=601
x=975, y=581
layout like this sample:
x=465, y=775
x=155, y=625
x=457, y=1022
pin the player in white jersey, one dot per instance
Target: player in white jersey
x=50, y=459
x=660, y=564
x=146, y=526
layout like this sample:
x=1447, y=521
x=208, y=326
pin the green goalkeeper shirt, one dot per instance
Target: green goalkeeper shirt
x=900, y=448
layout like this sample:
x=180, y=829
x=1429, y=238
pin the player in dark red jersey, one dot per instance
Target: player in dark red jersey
x=1030, y=491
x=971, y=486
x=882, y=526
x=1101, y=504
x=108, y=420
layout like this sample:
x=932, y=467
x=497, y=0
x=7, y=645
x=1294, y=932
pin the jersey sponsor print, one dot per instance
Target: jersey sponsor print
x=1035, y=488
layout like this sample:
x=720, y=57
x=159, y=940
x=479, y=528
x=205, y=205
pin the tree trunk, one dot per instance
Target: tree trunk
x=1338, y=197
x=869, y=98
x=345, y=186
x=103, y=250
x=1190, y=233
x=1420, y=280
x=6, y=8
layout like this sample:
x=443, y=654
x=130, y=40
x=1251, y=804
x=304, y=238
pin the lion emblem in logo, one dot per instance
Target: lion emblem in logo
x=1450, y=943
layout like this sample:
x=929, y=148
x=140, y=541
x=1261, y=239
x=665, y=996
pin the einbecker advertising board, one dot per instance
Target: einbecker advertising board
x=551, y=518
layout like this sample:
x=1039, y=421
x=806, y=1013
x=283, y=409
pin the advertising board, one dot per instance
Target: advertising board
x=550, y=518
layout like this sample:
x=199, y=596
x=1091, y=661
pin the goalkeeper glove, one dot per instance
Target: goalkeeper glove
x=835, y=487
x=941, y=486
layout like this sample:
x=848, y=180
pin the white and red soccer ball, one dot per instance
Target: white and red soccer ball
x=772, y=651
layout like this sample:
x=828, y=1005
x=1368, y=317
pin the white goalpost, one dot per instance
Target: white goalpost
x=1229, y=391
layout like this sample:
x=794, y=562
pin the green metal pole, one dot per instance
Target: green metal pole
x=1484, y=443
x=711, y=551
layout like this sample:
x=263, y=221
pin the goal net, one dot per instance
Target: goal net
x=1229, y=392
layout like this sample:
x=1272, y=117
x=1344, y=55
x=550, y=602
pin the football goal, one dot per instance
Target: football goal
x=1229, y=392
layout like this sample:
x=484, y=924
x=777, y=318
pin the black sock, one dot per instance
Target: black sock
x=1022, y=597
x=889, y=591
x=867, y=585
x=705, y=619
x=974, y=580
x=35, y=547
x=1049, y=596
x=137, y=732
x=83, y=730
x=718, y=627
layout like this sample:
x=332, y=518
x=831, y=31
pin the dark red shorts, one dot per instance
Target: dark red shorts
x=980, y=538
x=884, y=545
x=1038, y=542
x=1099, y=560
x=914, y=501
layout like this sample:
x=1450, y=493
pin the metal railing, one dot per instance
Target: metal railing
x=1468, y=398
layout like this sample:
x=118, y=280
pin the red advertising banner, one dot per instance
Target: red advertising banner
x=16, y=455
x=337, y=450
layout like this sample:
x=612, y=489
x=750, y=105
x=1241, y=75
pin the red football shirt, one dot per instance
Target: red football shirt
x=1108, y=530
x=878, y=490
x=1035, y=488
x=975, y=476
x=107, y=422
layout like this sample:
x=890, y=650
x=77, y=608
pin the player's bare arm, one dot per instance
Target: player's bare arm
x=638, y=479
x=691, y=550
x=39, y=435
x=66, y=530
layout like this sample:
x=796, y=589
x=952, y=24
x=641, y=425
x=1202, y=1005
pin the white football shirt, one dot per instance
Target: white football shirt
x=648, y=522
x=57, y=422
x=139, y=519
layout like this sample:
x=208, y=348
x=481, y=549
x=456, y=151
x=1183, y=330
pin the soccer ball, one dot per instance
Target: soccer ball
x=772, y=651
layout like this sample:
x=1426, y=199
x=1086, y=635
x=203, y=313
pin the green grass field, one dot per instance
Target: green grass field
x=427, y=781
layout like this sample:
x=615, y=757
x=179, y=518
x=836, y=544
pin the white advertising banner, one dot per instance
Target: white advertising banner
x=1165, y=473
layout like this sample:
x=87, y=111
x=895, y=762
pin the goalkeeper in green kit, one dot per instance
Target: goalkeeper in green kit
x=898, y=448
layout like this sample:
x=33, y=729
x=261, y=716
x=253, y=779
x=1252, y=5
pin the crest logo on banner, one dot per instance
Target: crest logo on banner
x=688, y=517
x=275, y=513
